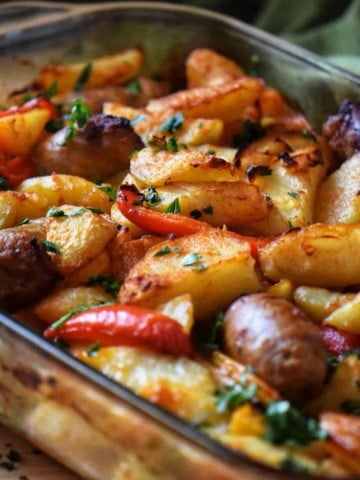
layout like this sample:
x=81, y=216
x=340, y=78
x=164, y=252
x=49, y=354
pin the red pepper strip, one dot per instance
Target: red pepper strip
x=126, y=325
x=129, y=201
x=16, y=169
x=338, y=341
x=39, y=102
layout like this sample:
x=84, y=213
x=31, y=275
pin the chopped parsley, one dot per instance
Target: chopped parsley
x=79, y=116
x=286, y=425
x=212, y=340
x=133, y=87
x=4, y=183
x=173, y=123
x=51, y=247
x=95, y=210
x=151, y=197
x=291, y=465
x=93, y=349
x=108, y=282
x=138, y=119
x=68, y=315
x=54, y=125
x=251, y=131
x=293, y=194
x=210, y=152
x=55, y=212
x=83, y=77
x=163, y=251
x=174, y=206
x=110, y=191
x=193, y=260
x=172, y=145
x=228, y=397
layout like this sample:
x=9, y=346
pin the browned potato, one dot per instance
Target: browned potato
x=214, y=266
x=275, y=337
x=205, y=67
x=320, y=255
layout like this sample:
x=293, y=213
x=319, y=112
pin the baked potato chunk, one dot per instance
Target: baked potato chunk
x=227, y=102
x=233, y=204
x=205, y=68
x=318, y=255
x=156, y=168
x=338, y=198
x=59, y=189
x=214, y=266
x=110, y=69
x=80, y=235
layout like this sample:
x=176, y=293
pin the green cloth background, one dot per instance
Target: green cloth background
x=330, y=28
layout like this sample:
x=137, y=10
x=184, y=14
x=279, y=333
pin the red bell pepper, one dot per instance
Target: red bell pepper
x=125, y=325
x=38, y=102
x=338, y=341
x=16, y=169
x=129, y=201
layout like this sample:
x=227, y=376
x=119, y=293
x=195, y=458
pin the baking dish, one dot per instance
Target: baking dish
x=94, y=426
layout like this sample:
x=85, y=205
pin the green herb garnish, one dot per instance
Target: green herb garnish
x=93, y=349
x=54, y=125
x=212, y=342
x=108, y=282
x=195, y=214
x=251, y=131
x=79, y=116
x=133, y=87
x=293, y=194
x=68, y=315
x=55, y=212
x=174, y=206
x=138, y=119
x=151, y=197
x=286, y=425
x=228, y=397
x=83, y=77
x=24, y=222
x=51, y=247
x=173, y=123
x=109, y=190
x=172, y=145
x=95, y=210
x=308, y=134
x=291, y=465
x=193, y=260
x=163, y=251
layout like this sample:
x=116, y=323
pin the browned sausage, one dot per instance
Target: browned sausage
x=26, y=271
x=99, y=150
x=276, y=338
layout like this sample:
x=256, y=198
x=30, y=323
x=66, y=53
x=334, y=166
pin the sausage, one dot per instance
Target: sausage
x=342, y=130
x=279, y=341
x=26, y=271
x=99, y=150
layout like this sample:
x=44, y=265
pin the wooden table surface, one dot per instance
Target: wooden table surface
x=32, y=464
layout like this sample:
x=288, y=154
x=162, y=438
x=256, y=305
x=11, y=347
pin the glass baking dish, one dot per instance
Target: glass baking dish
x=96, y=427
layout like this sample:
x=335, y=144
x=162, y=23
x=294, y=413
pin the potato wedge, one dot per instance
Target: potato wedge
x=100, y=265
x=110, y=69
x=20, y=131
x=318, y=303
x=215, y=267
x=233, y=204
x=156, y=168
x=227, y=102
x=16, y=207
x=338, y=197
x=205, y=68
x=59, y=303
x=80, y=237
x=180, y=385
x=58, y=189
x=319, y=255
x=181, y=309
x=346, y=317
